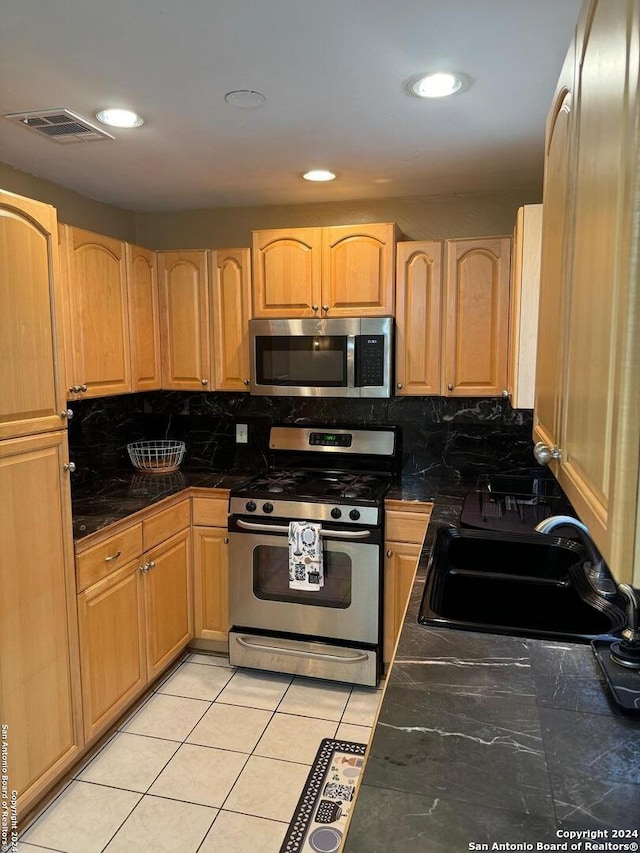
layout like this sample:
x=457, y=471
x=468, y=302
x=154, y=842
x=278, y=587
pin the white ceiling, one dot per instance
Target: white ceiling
x=332, y=72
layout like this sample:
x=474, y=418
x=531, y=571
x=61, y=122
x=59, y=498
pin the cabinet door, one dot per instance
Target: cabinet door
x=168, y=601
x=525, y=294
x=554, y=269
x=211, y=582
x=418, y=318
x=144, y=319
x=98, y=325
x=112, y=650
x=39, y=668
x=401, y=562
x=31, y=396
x=231, y=308
x=184, y=301
x=477, y=327
x=287, y=272
x=358, y=270
x=601, y=416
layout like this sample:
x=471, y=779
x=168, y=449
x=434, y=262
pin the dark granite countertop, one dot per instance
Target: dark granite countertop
x=484, y=738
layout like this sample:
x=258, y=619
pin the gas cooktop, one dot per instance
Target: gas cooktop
x=314, y=485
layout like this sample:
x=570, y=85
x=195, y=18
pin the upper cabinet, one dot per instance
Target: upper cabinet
x=419, y=318
x=144, y=319
x=591, y=421
x=525, y=293
x=97, y=321
x=477, y=316
x=184, y=306
x=32, y=397
x=230, y=310
x=318, y=272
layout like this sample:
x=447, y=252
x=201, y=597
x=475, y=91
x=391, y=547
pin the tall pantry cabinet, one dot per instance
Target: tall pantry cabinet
x=39, y=667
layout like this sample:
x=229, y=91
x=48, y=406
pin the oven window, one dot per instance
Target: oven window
x=271, y=578
x=319, y=361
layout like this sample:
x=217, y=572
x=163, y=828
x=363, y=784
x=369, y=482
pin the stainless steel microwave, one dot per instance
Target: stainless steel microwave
x=329, y=357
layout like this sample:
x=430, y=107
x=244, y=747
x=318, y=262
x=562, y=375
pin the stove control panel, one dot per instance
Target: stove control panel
x=292, y=510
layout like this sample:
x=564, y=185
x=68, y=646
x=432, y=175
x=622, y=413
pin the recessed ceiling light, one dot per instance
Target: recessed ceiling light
x=436, y=85
x=119, y=118
x=245, y=98
x=319, y=175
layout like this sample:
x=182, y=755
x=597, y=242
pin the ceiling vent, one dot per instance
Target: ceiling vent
x=60, y=125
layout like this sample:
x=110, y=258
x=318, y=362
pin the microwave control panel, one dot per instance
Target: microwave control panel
x=369, y=360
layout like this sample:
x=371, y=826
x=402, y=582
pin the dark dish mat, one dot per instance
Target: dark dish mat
x=624, y=683
x=320, y=817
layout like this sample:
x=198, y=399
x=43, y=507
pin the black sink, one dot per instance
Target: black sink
x=530, y=585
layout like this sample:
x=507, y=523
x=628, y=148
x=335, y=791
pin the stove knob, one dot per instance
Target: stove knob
x=354, y=515
x=336, y=513
x=250, y=506
x=268, y=507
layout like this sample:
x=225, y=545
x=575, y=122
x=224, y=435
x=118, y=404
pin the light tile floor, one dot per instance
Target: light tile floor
x=214, y=761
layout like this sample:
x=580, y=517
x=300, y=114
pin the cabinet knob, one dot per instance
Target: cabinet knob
x=389, y=553
x=144, y=568
x=69, y=466
x=83, y=387
x=245, y=382
x=325, y=307
x=399, y=385
x=226, y=540
x=544, y=454
x=204, y=381
x=151, y=564
x=315, y=307
x=506, y=394
x=68, y=414
x=450, y=387
x=74, y=389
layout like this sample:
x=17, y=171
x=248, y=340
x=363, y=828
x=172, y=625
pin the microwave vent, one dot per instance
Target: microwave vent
x=60, y=125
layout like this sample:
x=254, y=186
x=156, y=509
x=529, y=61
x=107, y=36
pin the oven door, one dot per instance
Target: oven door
x=346, y=608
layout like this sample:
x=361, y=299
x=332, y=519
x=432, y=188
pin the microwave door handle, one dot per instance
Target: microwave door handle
x=281, y=528
x=351, y=361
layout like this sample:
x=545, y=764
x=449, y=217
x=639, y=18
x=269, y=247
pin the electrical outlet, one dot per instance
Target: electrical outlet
x=242, y=433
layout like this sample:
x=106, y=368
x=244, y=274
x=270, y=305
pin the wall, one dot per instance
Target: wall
x=458, y=438
x=73, y=208
x=419, y=218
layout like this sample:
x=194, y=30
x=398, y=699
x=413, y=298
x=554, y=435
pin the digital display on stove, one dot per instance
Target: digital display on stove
x=330, y=439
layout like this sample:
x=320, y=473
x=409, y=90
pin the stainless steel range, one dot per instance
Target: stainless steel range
x=336, y=478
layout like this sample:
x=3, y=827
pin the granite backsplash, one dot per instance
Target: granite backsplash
x=441, y=436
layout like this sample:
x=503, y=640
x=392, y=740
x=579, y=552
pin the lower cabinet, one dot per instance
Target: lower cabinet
x=405, y=528
x=211, y=568
x=132, y=623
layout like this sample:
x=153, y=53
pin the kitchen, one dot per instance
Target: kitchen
x=489, y=423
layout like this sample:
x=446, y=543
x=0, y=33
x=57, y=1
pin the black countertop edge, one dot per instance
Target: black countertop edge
x=487, y=738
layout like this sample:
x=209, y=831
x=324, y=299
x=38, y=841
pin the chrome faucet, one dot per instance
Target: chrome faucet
x=595, y=567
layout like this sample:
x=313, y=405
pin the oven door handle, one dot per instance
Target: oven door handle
x=283, y=528
x=282, y=650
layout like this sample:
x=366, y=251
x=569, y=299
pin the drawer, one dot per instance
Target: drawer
x=165, y=523
x=406, y=526
x=101, y=560
x=210, y=512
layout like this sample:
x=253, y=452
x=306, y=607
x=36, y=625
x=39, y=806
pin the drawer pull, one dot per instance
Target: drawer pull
x=112, y=557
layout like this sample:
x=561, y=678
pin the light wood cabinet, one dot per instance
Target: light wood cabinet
x=211, y=567
x=598, y=424
x=134, y=610
x=477, y=317
x=419, y=318
x=185, y=324
x=524, y=303
x=97, y=322
x=144, y=319
x=111, y=626
x=39, y=666
x=32, y=397
x=405, y=528
x=316, y=272
x=231, y=309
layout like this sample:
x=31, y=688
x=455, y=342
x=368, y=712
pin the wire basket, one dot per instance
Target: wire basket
x=156, y=457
